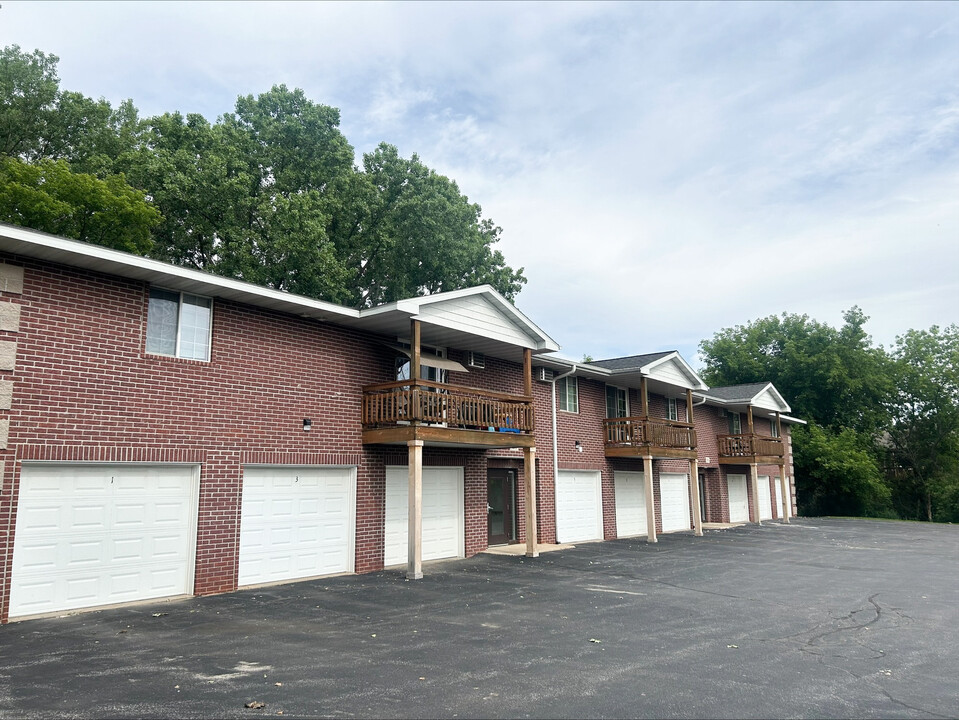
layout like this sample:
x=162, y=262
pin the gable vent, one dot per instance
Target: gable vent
x=476, y=359
x=544, y=374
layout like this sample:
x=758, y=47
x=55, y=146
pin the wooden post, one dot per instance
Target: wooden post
x=527, y=371
x=414, y=350
x=414, y=563
x=643, y=397
x=689, y=406
x=754, y=491
x=787, y=497
x=694, y=497
x=749, y=417
x=779, y=429
x=529, y=477
x=648, y=489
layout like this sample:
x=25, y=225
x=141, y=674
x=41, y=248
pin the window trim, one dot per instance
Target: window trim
x=179, y=326
x=564, y=396
x=672, y=409
x=625, y=396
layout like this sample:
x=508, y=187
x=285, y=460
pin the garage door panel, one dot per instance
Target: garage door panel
x=579, y=506
x=443, y=518
x=630, y=503
x=738, y=498
x=112, y=534
x=765, y=498
x=674, y=499
x=296, y=523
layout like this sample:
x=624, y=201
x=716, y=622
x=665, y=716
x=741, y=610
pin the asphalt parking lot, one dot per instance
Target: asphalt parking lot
x=820, y=618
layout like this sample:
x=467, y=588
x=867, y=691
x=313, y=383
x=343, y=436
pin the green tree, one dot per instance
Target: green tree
x=838, y=475
x=833, y=378
x=923, y=439
x=48, y=196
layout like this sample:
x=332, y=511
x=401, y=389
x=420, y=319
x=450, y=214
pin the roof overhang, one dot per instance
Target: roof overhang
x=438, y=328
x=670, y=375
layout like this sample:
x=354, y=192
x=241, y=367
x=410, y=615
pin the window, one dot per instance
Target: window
x=735, y=424
x=773, y=428
x=179, y=324
x=568, y=394
x=616, y=404
x=672, y=411
x=427, y=372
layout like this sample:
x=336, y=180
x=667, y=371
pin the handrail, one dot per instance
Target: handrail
x=645, y=431
x=748, y=445
x=424, y=401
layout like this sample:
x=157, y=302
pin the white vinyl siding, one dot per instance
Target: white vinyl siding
x=568, y=390
x=476, y=314
x=296, y=522
x=179, y=324
x=92, y=534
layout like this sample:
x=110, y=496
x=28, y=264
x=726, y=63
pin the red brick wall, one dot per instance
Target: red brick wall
x=85, y=390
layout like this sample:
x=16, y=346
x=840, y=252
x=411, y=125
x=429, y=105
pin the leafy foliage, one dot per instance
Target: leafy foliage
x=883, y=437
x=268, y=193
x=48, y=196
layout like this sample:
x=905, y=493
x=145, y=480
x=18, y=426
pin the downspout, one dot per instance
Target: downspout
x=555, y=441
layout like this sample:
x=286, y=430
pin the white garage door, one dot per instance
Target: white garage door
x=90, y=535
x=674, y=491
x=779, y=498
x=443, y=524
x=296, y=522
x=738, y=498
x=765, y=499
x=630, y=503
x=579, y=505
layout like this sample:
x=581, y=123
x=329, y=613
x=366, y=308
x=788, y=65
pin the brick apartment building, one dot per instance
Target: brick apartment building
x=168, y=432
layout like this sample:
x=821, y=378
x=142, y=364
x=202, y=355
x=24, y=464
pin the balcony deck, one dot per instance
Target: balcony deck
x=446, y=415
x=648, y=436
x=750, y=449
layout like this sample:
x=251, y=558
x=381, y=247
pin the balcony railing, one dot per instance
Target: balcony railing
x=649, y=432
x=747, y=445
x=454, y=406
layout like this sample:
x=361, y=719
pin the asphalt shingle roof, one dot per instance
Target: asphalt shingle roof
x=632, y=362
x=736, y=393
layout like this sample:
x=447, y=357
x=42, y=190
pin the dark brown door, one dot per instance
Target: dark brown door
x=500, y=504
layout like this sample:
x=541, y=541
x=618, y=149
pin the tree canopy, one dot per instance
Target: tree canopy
x=883, y=433
x=268, y=193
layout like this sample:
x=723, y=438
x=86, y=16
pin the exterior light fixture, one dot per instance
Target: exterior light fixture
x=307, y=424
x=579, y=447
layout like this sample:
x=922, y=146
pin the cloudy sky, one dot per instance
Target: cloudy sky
x=661, y=171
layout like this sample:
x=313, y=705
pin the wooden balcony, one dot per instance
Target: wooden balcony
x=642, y=436
x=449, y=415
x=750, y=448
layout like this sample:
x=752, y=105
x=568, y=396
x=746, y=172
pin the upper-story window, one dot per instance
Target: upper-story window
x=179, y=324
x=773, y=428
x=616, y=402
x=671, y=410
x=568, y=390
x=735, y=424
x=427, y=372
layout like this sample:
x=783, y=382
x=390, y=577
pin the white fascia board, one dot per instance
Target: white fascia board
x=783, y=405
x=792, y=420
x=698, y=383
x=582, y=369
x=410, y=308
x=32, y=243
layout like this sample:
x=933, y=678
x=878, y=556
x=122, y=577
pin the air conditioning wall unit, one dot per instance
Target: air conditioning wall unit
x=476, y=359
x=544, y=374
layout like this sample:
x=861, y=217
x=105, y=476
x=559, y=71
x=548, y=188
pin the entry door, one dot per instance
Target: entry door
x=500, y=506
x=738, y=498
